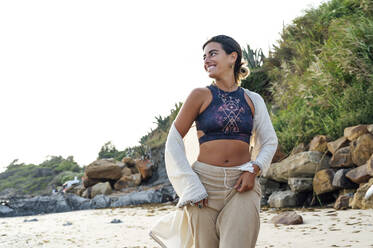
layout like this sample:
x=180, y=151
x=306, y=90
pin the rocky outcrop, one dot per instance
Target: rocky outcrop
x=303, y=164
x=70, y=202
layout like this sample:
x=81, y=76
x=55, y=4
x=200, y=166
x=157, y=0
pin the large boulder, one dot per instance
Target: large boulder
x=323, y=181
x=104, y=169
x=128, y=181
x=362, y=149
x=281, y=199
x=319, y=143
x=352, y=133
x=145, y=168
x=303, y=164
x=287, y=218
x=362, y=173
x=100, y=201
x=342, y=158
x=359, y=201
x=300, y=184
x=126, y=171
x=101, y=189
x=337, y=144
x=342, y=202
x=341, y=181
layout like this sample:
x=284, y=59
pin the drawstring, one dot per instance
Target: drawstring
x=225, y=180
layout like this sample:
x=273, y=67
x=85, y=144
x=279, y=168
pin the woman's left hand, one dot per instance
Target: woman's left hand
x=245, y=182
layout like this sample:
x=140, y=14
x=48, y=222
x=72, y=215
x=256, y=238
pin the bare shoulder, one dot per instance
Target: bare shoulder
x=190, y=109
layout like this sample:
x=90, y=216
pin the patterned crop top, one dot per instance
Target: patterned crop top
x=228, y=116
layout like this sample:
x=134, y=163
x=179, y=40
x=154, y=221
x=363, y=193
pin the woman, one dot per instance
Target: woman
x=225, y=202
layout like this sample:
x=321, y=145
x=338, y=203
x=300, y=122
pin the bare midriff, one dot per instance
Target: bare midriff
x=224, y=152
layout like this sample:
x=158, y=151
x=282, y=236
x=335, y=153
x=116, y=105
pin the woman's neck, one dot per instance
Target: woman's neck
x=226, y=84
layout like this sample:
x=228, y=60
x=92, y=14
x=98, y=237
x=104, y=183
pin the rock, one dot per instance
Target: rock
x=126, y=171
x=116, y=221
x=337, y=144
x=76, y=189
x=145, y=168
x=101, y=189
x=88, y=182
x=287, y=218
x=342, y=158
x=31, y=220
x=279, y=155
x=281, y=199
x=87, y=193
x=77, y=202
x=342, y=202
x=362, y=149
x=38, y=205
x=304, y=164
x=352, y=133
x=358, y=200
x=129, y=162
x=128, y=181
x=100, y=201
x=269, y=186
x=322, y=182
x=141, y=197
x=362, y=173
x=370, y=128
x=341, y=181
x=5, y=211
x=319, y=143
x=103, y=169
x=297, y=149
x=350, y=192
x=300, y=184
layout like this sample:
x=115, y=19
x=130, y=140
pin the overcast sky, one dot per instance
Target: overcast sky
x=77, y=74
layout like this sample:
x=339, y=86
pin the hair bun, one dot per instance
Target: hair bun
x=244, y=72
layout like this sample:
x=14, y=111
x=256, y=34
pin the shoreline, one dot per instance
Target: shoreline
x=322, y=227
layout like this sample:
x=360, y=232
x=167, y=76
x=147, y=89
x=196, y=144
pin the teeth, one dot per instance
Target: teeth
x=210, y=67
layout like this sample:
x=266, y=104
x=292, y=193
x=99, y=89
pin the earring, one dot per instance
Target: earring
x=232, y=66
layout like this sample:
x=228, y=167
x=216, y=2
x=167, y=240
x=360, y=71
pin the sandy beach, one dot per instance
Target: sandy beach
x=93, y=228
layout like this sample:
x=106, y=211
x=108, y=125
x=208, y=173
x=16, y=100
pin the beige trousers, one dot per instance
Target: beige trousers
x=231, y=219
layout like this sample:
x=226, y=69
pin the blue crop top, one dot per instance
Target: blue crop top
x=228, y=116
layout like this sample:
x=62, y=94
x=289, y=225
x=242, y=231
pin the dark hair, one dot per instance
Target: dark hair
x=229, y=45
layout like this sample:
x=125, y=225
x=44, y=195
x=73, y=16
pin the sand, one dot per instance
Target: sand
x=92, y=228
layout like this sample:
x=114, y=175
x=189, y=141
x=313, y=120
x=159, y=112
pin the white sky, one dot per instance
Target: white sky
x=76, y=74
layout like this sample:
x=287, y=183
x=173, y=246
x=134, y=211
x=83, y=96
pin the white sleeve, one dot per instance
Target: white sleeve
x=265, y=138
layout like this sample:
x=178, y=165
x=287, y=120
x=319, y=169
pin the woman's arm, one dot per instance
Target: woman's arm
x=189, y=111
x=265, y=138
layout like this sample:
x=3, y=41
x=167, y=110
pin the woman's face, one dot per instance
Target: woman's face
x=216, y=61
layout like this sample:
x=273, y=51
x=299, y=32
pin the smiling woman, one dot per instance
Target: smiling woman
x=220, y=192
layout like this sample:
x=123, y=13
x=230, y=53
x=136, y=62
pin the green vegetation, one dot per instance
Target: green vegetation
x=39, y=179
x=321, y=72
